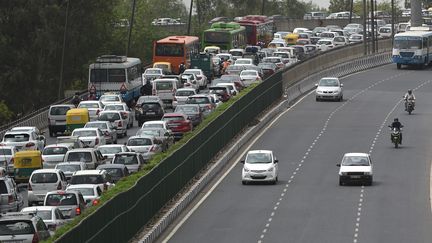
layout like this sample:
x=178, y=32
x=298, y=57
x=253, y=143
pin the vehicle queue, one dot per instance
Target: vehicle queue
x=168, y=100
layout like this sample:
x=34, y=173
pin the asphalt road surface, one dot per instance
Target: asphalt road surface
x=307, y=204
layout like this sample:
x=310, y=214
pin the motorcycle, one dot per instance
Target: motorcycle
x=409, y=106
x=395, y=136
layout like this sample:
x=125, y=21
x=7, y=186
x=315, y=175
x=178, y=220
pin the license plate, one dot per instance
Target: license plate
x=151, y=113
x=355, y=176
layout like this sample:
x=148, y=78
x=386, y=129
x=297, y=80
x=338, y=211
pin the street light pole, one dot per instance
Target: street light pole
x=190, y=16
x=131, y=26
x=262, y=7
x=60, y=88
x=364, y=27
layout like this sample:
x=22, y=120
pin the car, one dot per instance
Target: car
x=181, y=96
x=33, y=129
x=92, y=137
x=110, y=150
x=385, y=32
x=42, y=181
x=260, y=166
x=148, y=111
x=23, y=140
x=23, y=228
x=155, y=124
x=124, y=109
x=10, y=198
x=193, y=111
x=236, y=53
x=69, y=168
x=146, y=145
x=51, y=216
x=178, y=123
x=355, y=38
x=97, y=177
x=163, y=136
x=250, y=76
x=225, y=56
x=118, y=120
x=54, y=154
x=91, y=156
x=268, y=68
x=325, y=44
x=276, y=60
x=116, y=171
x=235, y=69
x=7, y=154
x=165, y=89
x=151, y=74
x=202, y=78
x=110, y=98
x=189, y=80
x=57, y=118
x=93, y=106
x=106, y=128
x=329, y=88
x=236, y=79
x=70, y=203
x=356, y=167
x=244, y=61
x=311, y=50
x=223, y=93
x=90, y=192
x=340, y=41
x=231, y=86
x=286, y=57
x=134, y=161
x=204, y=101
x=74, y=141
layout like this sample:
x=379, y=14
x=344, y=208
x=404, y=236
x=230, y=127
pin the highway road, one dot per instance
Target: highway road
x=307, y=204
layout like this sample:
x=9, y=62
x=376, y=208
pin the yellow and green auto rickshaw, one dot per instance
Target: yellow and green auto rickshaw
x=25, y=162
x=76, y=118
x=291, y=39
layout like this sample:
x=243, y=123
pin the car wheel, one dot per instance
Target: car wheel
x=139, y=124
x=125, y=133
x=317, y=99
x=369, y=182
x=51, y=134
x=244, y=182
x=398, y=66
x=341, y=182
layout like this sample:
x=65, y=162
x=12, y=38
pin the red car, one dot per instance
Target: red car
x=179, y=124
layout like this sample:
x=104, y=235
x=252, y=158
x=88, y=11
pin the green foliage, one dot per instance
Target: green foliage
x=5, y=114
x=339, y=5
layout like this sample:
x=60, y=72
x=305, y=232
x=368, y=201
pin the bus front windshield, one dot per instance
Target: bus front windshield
x=406, y=42
x=169, y=50
x=107, y=75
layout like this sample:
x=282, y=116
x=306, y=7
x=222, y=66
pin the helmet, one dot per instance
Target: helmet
x=409, y=91
x=396, y=119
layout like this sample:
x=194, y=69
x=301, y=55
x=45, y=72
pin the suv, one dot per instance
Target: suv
x=10, y=199
x=70, y=203
x=118, y=119
x=23, y=228
x=42, y=181
x=97, y=177
x=165, y=89
x=54, y=154
x=149, y=110
x=91, y=156
x=57, y=118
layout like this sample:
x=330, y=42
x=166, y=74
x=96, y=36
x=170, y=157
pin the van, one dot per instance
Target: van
x=43, y=181
x=57, y=118
x=165, y=89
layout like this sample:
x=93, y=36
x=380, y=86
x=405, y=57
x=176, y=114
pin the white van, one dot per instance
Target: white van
x=165, y=89
x=57, y=118
x=43, y=181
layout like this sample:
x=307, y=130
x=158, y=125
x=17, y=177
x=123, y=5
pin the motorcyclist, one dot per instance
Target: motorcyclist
x=182, y=68
x=396, y=124
x=76, y=99
x=409, y=96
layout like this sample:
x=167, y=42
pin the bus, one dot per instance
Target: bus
x=225, y=35
x=176, y=50
x=259, y=28
x=412, y=48
x=115, y=74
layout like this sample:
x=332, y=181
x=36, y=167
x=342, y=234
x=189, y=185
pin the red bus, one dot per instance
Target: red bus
x=259, y=28
x=175, y=50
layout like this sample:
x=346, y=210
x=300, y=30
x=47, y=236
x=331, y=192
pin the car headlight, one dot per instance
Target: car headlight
x=270, y=169
x=342, y=173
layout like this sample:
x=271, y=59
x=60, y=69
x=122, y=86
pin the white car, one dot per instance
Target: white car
x=90, y=192
x=106, y=128
x=250, y=76
x=110, y=98
x=69, y=168
x=236, y=53
x=6, y=158
x=23, y=140
x=329, y=88
x=145, y=145
x=118, y=120
x=261, y=166
x=244, y=62
x=202, y=79
x=123, y=108
x=276, y=60
x=181, y=95
x=43, y=181
x=189, y=81
x=54, y=154
x=356, y=167
x=151, y=74
x=231, y=86
x=92, y=137
x=93, y=106
x=340, y=41
x=33, y=129
x=225, y=56
x=157, y=124
x=325, y=44
x=51, y=216
x=110, y=150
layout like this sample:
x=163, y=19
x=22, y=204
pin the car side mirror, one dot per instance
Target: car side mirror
x=88, y=201
x=276, y=161
x=105, y=157
x=338, y=165
x=316, y=85
x=242, y=162
x=341, y=85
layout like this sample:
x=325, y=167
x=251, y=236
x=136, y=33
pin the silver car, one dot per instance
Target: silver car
x=6, y=158
x=52, y=216
x=329, y=88
x=54, y=154
x=146, y=145
x=70, y=203
x=110, y=150
x=133, y=161
x=107, y=129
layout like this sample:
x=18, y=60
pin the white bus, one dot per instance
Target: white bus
x=118, y=74
x=412, y=48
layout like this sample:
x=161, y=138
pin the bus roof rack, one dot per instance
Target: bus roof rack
x=421, y=28
x=111, y=59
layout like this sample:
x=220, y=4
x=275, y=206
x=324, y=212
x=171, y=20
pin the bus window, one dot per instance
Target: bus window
x=107, y=75
x=175, y=50
x=133, y=73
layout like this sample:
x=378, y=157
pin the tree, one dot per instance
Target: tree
x=339, y=5
x=5, y=114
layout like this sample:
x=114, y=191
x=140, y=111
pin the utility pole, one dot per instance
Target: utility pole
x=351, y=11
x=392, y=19
x=262, y=7
x=190, y=17
x=60, y=89
x=376, y=29
x=131, y=26
x=372, y=23
x=364, y=27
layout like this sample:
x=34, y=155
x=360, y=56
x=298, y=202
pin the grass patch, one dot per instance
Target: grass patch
x=128, y=182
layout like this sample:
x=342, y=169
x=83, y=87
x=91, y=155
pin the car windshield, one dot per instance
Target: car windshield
x=258, y=158
x=16, y=227
x=54, y=150
x=88, y=105
x=355, y=161
x=329, y=82
x=59, y=111
x=248, y=73
x=148, y=106
x=153, y=125
x=16, y=137
x=148, y=133
x=109, y=98
x=187, y=109
x=68, y=168
x=198, y=100
x=5, y=151
x=153, y=71
x=44, y=178
x=61, y=199
x=236, y=53
x=43, y=214
x=243, y=62
x=100, y=125
x=185, y=93
x=126, y=159
x=79, y=156
x=110, y=150
x=173, y=118
x=84, y=191
x=114, y=172
x=84, y=133
x=114, y=108
x=164, y=85
x=196, y=72
x=109, y=116
x=139, y=142
x=86, y=179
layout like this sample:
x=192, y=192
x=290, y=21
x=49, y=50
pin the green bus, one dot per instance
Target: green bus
x=225, y=35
